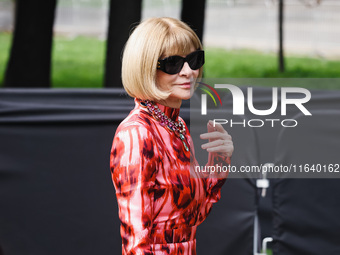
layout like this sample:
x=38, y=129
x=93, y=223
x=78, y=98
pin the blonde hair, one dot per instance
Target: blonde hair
x=151, y=40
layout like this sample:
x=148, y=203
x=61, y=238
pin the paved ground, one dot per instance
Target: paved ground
x=246, y=24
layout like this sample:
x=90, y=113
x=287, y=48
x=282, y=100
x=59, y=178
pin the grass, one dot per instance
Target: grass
x=253, y=64
x=269, y=252
x=79, y=63
x=4, y=53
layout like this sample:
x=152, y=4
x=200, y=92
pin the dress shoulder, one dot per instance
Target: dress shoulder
x=134, y=154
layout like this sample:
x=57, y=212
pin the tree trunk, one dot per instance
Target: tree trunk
x=124, y=15
x=29, y=63
x=193, y=14
x=281, y=52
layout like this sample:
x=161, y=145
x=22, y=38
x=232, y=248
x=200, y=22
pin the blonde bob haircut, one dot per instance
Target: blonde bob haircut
x=153, y=39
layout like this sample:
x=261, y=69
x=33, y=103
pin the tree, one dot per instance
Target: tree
x=29, y=63
x=193, y=13
x=123, y=16
x=281, y=54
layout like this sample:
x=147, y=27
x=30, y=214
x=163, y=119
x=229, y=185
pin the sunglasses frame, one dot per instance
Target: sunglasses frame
x=161, y=64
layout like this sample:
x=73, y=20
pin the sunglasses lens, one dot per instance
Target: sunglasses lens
x=173, y=64
x=196, y=60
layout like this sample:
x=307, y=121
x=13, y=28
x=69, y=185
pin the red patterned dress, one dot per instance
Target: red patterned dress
x=160, y=203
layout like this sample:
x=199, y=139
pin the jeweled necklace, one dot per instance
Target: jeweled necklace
x=175, y=126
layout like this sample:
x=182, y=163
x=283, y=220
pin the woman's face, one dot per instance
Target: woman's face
x=181, y=84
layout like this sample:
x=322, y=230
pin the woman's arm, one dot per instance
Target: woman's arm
x=133, y=166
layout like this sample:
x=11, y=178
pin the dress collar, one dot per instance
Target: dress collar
x=172, y=113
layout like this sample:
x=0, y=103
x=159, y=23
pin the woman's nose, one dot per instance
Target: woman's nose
x=186, y=70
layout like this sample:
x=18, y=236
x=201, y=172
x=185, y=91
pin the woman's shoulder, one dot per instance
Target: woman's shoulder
x=137, y=120
x=133, y=140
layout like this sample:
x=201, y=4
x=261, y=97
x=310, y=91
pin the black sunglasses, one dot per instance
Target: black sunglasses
x=174, y=64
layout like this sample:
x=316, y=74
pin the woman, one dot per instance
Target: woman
x=160, y=204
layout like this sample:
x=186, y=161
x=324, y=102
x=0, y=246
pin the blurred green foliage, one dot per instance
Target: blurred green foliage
x=79, y=63
x=4, y=53
x=253, y=64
